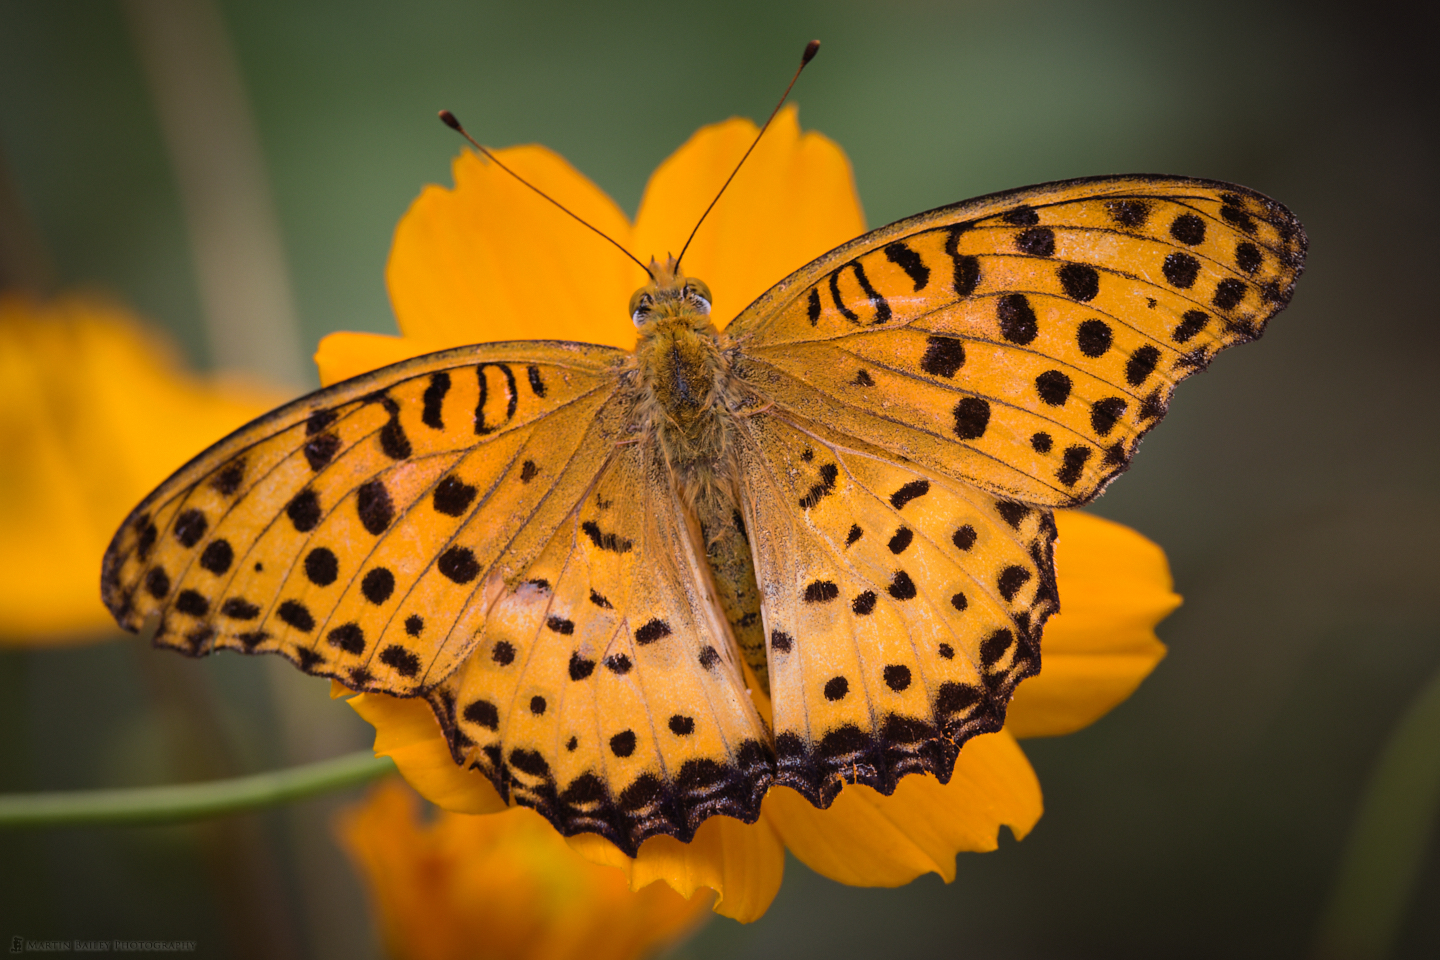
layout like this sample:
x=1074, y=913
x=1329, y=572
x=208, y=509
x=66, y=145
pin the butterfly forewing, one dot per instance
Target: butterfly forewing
x=603, y=691
x=347, y=531
x=1024, y=342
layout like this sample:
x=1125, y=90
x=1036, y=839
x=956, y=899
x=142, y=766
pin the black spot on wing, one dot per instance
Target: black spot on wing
x=1104, y=414
x=972, y=416
x=304, y=511
x=1180, y=270
x=1053, y=387
x=1188, y=229
x=190, y=526
x=434, y=401
x=227, y=481
x=1080, y=281
x=297, y=615
x=321, y=566
x=1073, y=466
x=1141, y=364
x=606, y=541
x=1093, y=337
x=650, y=631
x=829, y=472
x=459, y=564
x=453, y=496
x=965, y=276
x=898, y=499
x=1190, y=324
x=909, y=261
x=217, y=556
x=1017, y=319
x=820, y=591
x=377, y=585
x=373, y=503
x=320, y=450
x=943, y=356
x=1037, y=242
x=1128, y=213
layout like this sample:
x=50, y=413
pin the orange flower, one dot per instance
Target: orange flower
x=95, y=410
x=503, y=886
x=489, y=260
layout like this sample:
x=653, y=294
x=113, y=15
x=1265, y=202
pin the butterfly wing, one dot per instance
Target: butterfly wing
x=1024, y=342
x=360, y=531
x=921, y=396
x=605, y=691
x=901, y=606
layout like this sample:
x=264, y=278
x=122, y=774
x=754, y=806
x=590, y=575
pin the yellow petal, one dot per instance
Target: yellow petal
x=491, y=260
x=793, y=200
x=341, y=356
x=407, y=732
x=1115, y=586
x=868, y=840
x=95, y=410
x=503, y=885
x=742, y=863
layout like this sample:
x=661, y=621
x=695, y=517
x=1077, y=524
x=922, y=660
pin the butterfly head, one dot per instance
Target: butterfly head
x=669, y=294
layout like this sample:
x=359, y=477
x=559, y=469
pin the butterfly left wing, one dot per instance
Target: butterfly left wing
x=358, y=531
x=1025, y=341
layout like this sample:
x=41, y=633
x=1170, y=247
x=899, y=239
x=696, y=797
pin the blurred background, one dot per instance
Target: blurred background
x=193, y=159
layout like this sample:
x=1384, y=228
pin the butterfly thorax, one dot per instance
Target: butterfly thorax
x=685, y=403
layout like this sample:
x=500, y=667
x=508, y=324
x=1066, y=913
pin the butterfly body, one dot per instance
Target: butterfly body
x=595, y=564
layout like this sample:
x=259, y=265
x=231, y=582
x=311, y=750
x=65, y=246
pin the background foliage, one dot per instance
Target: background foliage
x=1294, y=486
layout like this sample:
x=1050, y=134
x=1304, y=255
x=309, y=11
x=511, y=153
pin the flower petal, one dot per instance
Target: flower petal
x=743, y=863
x=793, y=200
x=868, y=840
x=407, y=732
x=503, y=885
x=95, y=410
x=492, y=260
x=1115, y=586
x=341, y=356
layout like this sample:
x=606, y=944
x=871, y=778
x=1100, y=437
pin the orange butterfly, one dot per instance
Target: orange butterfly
x=601, y=567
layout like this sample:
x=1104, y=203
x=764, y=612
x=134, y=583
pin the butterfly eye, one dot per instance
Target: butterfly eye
x=698, y=294
x=640, y=307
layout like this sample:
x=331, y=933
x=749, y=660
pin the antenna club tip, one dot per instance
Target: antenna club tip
x=449, y=120
x=811, y=48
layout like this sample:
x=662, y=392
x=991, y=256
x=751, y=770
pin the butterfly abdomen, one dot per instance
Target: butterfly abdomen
x=686, y=401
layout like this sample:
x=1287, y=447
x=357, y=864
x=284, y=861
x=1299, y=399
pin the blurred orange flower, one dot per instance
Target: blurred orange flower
x=489, y=260
x=95, y=410
x=503, y=886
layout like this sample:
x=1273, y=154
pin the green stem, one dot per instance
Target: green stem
x=190, y=801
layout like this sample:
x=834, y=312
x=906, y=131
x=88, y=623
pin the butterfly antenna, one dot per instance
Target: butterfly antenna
x=449, y=120
x=811, y=48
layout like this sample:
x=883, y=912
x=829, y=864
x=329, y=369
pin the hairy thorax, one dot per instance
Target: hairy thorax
x=685, y=406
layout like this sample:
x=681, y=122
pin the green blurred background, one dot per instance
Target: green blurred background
x=1294, y=486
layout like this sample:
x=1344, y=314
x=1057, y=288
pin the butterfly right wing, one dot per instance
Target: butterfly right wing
x=604, y=690
x=1024, y=341
x=359, y=531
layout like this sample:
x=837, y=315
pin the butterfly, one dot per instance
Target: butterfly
x=814, y=548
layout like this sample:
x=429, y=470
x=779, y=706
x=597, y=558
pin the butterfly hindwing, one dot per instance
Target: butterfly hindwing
x=1024, y=342
x=603, y=689
x=350, y=530
x=901, y=607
